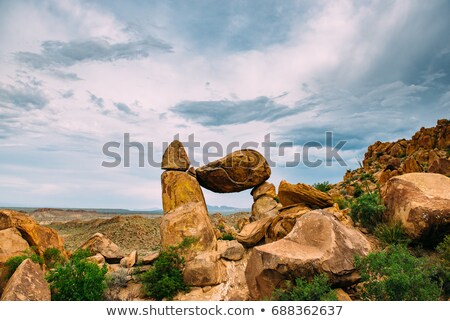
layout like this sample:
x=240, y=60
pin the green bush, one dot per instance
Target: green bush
x=392, y=233
x=53, y=257
x=227, y=237
x=78, y=279
x=396, y=275
x=441, y=266
x=358, y=190
x=323, y=187
x=443, y=249
x=367, y=210
x=13, y=262
x=318, y=289
x=165, y=279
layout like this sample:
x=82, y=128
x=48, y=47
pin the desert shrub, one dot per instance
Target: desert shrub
x=323, y=186
x=78, y=279
x=227, y=237
x=396, y=275
x=13, y=262
x=165, y=279
x=443, y=249
x=367, y=210
x=117, y=279
x=391, y=233
x=318, y=289
x=358, y=190
x=342, y=203
x=367, y=177
x=53, y=257
x=441, y=266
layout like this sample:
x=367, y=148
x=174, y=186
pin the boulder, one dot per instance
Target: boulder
x=98, y=243
x=97, y=259
x=190, y=219
x=230, y=250
x=11, y=244
x=265, y=206
x=254, y=232
x=342, y=295
x=130, y=260
x=318, y=243
x=41, y=237
x=283, y=224
x=238, y=171
x=411, y=165
x=421, y=202
x=291, y=194
x=204, y=269
x=150, y=257
x=175, y=157
x=27, y=284
x=265, y=189
x=440, y=166
x=179, y=188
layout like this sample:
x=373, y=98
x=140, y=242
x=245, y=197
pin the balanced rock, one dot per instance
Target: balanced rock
x=265, y=189
x=204, y=269
x=36, y=235
x=290, y=194
x=238, y=171
x=27, y=284
x=283, y=223
x=99, y=243
x=179, y=188
x=254, y=232
x=11, y=244
x=317, y=244
x=188, y=220
x=265, y=206
x=230, y=250
x=175, y=157
x=421, y=202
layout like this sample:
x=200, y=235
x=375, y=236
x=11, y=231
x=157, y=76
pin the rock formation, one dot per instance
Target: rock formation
x=238, y=171
x=290, y=194
x=421, y=202
x=175, y=157
x=99, y=243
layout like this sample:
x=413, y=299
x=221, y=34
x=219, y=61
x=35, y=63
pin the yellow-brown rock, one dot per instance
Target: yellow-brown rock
x=175, y=157
x=99, y=243
x=11, y=244
x=283, y=224
x=440, y=166
x=265, y=189
x=265, y=206
x=179, y=188
x=254, y=232
x=290, y=194
x=204, y=269
x=238, y=171
x=27, y=284
x=41, y=237
x=188, y=220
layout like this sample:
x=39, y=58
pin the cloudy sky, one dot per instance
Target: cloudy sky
x=75, y=75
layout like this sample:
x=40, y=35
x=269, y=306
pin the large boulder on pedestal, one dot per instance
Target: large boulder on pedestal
x=238, y=171
x=421, y=202
x=317, y=244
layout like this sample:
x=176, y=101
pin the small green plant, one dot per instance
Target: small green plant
x=318, y=289
x=367, y=177
x=379, y=154
x=227, y=237
x=358, y=190
x=117, y=279
x=53, y=257
x=443, y=249
x=342, y=203
x=78, y=279
x=367, y=210
x=165, y=279
x=276, y=199
x=391, y=233
x=13, y=262
x=323, y=186
x=396, y=275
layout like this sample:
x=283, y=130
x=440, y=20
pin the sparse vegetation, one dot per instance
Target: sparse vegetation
x=13, y=262
x=318, y=289
x=323, y=186
x=227, y=237
x=391, y=233
x=367, y=210
x=165, y=279
x=53, y=257
x=396, y=275
x=78, y=279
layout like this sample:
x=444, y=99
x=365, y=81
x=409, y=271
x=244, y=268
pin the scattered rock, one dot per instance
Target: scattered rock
x=97, y=259
x=440, y=166
x=150, y=257
x=283, y=224
x=230, y=250
x=318, y=243
x=27, y=284
x=175, y=157
x=342, y=295
x=41, y=237
x=190, y=219
x=265, y=189
x=179, y=188
x=421, y=202
x=130, y=260
x=254, y=232
x=238, y=171
x=265, y=206
x=99, y=243
x=11, y=244
x=204, y=269
x=290, y=194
